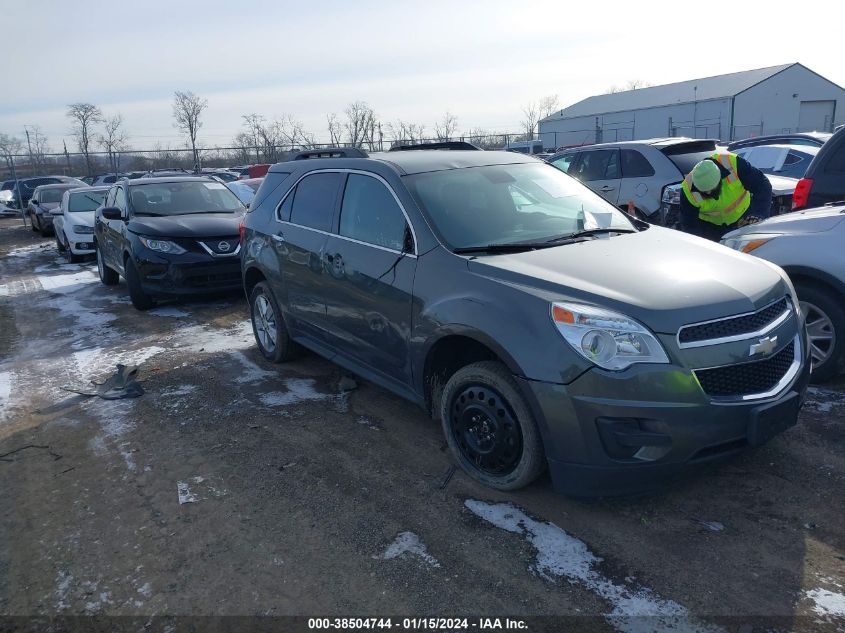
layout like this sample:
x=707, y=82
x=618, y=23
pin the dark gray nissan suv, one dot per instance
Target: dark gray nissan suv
x=540, y=324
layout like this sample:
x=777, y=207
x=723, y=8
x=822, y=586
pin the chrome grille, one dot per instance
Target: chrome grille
x=756, y=377
x=745, y=324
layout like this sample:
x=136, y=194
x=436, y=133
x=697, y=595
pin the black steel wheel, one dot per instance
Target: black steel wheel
x=489, y=427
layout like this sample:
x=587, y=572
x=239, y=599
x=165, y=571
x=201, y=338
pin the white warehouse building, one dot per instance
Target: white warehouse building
x=774, y=100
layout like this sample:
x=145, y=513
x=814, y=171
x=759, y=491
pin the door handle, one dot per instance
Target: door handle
x=278, y=237
x=607, y=188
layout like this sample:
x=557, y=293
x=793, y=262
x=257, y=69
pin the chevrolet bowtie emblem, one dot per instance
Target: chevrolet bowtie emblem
x=765, y=346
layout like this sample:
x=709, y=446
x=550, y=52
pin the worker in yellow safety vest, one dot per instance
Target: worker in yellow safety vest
x=722, y=193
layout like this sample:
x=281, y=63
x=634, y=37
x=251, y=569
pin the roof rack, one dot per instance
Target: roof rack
x=451, y=145
x=331, y=152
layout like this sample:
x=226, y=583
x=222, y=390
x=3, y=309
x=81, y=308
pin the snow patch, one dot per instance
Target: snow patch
x=92, y=363
x=65, y=284
x=182, y=390
x=211, y=340
x=26, y=251
x=197, y=489
x=634, y=609
x=298, y=390
x=408, y=543
x=146, y=590
x=252, y=372
x=827, y=602
x=5, y=393
x=63, y=580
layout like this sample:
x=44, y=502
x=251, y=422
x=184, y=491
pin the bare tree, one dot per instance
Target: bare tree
x=446, y=127
x=254, y=122
x=547, y=105
x=361, y=124
x=84, y=116
x=187, y=109
x=335, y=129
x=243, y=144
x=484, y=139
x=531, y=116
x=113, y=139
x=40, y=147
x=403, y=132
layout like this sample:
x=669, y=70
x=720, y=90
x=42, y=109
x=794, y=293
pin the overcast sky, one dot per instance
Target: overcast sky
x=414, y=60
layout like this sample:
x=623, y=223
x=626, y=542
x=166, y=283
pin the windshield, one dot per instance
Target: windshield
x=87, y=201
x=177, y=198
x=507, y=204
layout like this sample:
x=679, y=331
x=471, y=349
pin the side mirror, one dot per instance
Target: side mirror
x=112, y=213
x=56, y=211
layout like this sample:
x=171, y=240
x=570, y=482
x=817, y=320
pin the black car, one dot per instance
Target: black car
x=22, y=194
x=169, y=237
x=43, y=200
x=824, y=180
x=542, y=325
x=813, y=139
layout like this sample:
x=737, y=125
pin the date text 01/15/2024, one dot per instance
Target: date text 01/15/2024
x=417, y=624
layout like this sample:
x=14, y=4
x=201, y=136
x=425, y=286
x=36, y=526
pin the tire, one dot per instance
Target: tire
x=32, y=222
x=267, y=319
x=140, y=299
x=59, y=246
x=43, y=229
x=826, y=327
x=108, y=276
x=509, y=454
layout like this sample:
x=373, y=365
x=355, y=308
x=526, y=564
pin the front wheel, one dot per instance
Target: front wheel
x=268, y=325
x=489, y=427
x=108, y=276
x=826, y=329
x=140, y=299
x=33, y=221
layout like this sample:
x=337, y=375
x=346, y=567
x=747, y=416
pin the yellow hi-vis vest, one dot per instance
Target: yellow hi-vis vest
x=733, y=199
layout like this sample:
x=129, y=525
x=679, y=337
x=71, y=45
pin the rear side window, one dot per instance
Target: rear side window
x=313, y=201
x=836, y=163
x=635, y=165
x=601, y=164
x=370, y=213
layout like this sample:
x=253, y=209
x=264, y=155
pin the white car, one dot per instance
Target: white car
x=73, y=221
x=808, y=246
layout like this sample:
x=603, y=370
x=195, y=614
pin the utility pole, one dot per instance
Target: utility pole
x=31, y=162
x=67, y=157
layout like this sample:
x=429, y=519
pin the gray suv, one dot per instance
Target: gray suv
x=542, y=326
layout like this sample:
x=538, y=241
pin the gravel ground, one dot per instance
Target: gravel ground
x=234, y=487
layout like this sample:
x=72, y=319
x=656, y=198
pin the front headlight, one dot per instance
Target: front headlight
x=162, y=246
x=672, y=195
x=748, y=242
x=82, y=229
x=609, y=339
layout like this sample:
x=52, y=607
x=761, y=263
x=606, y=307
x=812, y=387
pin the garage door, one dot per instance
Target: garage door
x=816, y=116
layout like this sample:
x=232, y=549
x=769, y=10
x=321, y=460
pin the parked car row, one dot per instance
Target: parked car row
x=496, y=292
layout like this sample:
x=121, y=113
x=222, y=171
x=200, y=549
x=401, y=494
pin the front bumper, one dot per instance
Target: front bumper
x=642, y=429
x=187, y=274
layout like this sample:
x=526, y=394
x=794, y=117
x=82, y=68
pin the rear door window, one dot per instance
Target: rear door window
x=314, y=201
x=370, y=213
x=635, y=165
x=602, y=164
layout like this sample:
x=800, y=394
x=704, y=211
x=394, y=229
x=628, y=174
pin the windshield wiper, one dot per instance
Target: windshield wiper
x=588, y=233
x=516, y=247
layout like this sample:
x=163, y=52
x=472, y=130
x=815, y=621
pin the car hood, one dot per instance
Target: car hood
x=188, y=225
x=80, y=218
x=810, y=221
x=661, y=277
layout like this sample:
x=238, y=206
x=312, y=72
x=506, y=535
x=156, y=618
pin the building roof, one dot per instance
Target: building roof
x=718, y=87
